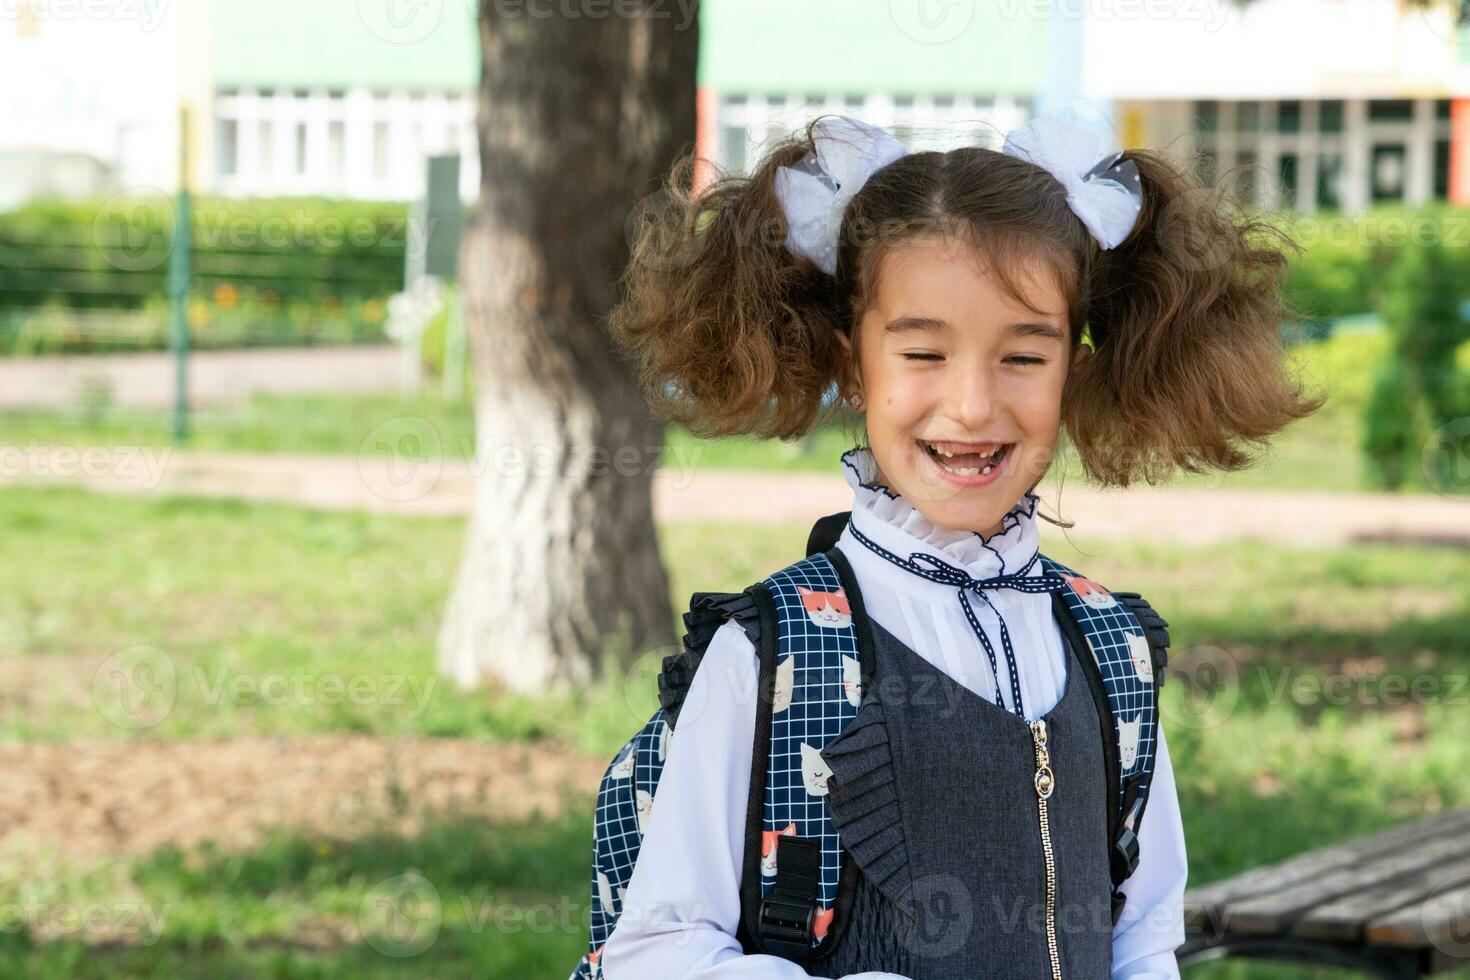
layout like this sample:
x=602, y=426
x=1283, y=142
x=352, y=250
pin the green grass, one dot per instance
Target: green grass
x=1317, y=453
x=255, y=589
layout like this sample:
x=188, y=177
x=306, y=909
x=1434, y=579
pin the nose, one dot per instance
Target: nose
x=971, y=396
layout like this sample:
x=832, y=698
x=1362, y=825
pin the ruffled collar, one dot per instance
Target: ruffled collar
x=887, y=518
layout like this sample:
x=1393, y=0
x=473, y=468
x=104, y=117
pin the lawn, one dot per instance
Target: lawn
x=1318, y=453
x=227, y=595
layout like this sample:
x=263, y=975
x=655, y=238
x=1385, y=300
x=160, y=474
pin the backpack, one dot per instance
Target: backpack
x=809, y=619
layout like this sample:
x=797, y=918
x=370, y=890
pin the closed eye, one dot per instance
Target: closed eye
x=1022, y=359
x=922, y=356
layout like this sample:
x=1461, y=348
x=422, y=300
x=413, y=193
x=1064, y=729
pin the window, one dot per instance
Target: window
x=267, y=147
x=732, y=149
x=301, y=148
x=228, y=153
x=337, y=149
x=1442, y=169
x=1329, y=180
x=1386, y=173
x=1329, y=116
x=1391, y=110
x=1247, y=117
x=1289, y=117
x=1286, y=172
x=1207, y=116
x=380, y=150
x=1245, y=186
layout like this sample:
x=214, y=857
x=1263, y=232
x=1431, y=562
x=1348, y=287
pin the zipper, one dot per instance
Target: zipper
x=1045, y=783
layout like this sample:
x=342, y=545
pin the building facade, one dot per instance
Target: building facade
x=1303, y=104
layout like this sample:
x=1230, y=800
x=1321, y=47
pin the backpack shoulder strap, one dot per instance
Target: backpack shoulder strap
x=795, y=876
x=1122, y=644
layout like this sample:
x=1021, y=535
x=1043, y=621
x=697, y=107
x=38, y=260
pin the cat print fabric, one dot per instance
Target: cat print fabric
x=1128, y=742
x=1090, y=592
x=1143, y=661
x=814, y=770
x=828, y=610
x=852, y=680
x=785, y=678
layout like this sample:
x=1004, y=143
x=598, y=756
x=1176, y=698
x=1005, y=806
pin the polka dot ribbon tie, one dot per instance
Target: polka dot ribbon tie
x=936, y=570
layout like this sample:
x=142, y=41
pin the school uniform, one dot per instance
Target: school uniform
x=931, y=789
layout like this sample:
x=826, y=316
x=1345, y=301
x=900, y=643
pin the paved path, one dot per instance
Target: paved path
x=216, y=377
x=445, y=487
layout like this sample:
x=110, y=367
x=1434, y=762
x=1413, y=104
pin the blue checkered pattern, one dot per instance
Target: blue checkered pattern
x=818, y=713
x=819, y=710
x=618, y=831
x=1107, y=624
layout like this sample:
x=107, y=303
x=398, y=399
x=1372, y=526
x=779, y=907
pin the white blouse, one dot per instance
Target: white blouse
x=682, y=904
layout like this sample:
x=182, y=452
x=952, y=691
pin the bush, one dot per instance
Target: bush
x=93, y=276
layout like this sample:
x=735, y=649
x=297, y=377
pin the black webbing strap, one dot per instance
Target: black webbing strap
x=826, y=531
x=788, y=909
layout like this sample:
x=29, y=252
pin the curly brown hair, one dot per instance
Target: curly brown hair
x=733, y=333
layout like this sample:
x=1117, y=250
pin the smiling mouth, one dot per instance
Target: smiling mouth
x=966, y=459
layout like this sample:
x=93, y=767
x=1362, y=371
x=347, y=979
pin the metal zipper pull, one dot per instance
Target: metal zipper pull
x=1046, y=783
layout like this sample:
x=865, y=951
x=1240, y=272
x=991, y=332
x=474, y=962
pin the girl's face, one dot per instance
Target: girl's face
x=953, y=370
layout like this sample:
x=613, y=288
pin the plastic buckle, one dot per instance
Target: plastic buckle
x=785, y=926
x=1124, y=856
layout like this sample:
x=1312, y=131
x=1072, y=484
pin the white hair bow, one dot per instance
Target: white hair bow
x=1103, y=193
x=815, y=192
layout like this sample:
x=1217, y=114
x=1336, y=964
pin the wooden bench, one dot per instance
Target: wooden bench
x=1395, y=904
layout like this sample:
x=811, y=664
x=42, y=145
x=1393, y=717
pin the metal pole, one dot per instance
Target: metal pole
x=179, y=285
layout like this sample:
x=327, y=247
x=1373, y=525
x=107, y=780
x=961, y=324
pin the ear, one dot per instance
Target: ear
x=851, y=384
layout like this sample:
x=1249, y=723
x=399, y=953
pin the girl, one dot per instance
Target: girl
x=945, y=297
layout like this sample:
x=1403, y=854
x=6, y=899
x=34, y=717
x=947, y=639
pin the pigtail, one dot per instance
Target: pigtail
x=730, y=331
x=1185, y=318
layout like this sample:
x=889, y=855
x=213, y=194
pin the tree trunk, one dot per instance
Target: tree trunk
x=582, y=109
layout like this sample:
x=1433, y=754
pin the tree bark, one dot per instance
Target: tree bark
x=583, y=108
